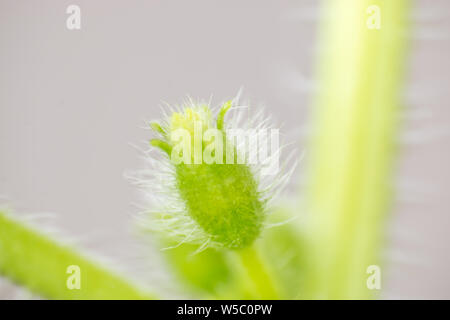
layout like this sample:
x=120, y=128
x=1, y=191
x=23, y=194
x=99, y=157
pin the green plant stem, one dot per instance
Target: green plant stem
x=33, y=260
x=255, y=274
x=355, y=118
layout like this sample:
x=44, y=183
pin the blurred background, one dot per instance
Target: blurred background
x=73, y=102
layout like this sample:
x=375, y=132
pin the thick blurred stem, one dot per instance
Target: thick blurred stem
x=355, y=120
x=42, y=265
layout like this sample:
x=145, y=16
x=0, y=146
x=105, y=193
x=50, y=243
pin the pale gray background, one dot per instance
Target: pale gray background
x=71, y=102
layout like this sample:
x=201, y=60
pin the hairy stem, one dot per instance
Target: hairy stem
x=355, y=118
x=42, y=265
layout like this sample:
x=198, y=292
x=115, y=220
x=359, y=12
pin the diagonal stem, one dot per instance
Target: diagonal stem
x=41, y=264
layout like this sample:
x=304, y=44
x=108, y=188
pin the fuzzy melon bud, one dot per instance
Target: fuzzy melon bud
x=221, y=197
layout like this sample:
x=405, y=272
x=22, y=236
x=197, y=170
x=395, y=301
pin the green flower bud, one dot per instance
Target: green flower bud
x=213, y=197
